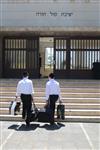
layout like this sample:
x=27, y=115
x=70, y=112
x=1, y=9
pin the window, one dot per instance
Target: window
x=60, y=60
x=84, y=53
x=21, y=53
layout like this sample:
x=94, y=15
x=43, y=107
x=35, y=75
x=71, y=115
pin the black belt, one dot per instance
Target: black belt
x=54, y=95
x=26, y=94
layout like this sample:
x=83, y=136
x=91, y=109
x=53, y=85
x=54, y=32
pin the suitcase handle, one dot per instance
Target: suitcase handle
x=35, y=108
x=60, y=101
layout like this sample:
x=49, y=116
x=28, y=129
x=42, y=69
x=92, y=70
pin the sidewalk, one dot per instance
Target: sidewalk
x=41, y=136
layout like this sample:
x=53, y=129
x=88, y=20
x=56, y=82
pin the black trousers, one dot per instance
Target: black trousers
x=27, y=105
x=52, y=103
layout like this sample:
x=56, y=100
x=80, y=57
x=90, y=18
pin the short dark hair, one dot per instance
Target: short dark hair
x=25, y=74
x=51, y=75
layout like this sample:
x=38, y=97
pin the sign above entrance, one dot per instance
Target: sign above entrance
x=53, y=14
x=33, y=13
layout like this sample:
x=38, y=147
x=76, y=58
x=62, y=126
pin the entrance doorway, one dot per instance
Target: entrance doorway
x=55, y=56
x=49, y=59
x=46, y=52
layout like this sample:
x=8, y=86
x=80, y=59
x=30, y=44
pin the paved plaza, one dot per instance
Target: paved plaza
x=41, y=136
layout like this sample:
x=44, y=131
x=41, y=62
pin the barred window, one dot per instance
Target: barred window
x=20, y=53
x=84, y=53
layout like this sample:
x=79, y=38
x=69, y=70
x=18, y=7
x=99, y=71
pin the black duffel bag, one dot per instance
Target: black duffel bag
x=34, y=113
x=61, y=111
x=44, y=114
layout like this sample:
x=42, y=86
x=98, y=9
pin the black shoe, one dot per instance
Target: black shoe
x=23, y=117
x=52, y=123
x=15, y=113
x=27, y=124
x=62, y=118
x=58, y=117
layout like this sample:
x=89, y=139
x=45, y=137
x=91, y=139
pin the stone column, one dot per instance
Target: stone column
x=1, y=51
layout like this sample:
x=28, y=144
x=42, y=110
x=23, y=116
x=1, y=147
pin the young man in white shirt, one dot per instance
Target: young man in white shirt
x=26, y=91
x=52, y=95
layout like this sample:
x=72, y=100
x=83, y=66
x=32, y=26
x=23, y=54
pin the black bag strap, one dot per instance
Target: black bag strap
x=35, y=108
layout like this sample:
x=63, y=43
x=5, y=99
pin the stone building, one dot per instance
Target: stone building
x=43, y=36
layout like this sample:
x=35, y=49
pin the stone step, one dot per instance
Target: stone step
x=63, y=94
x=69, y=112
x=78, y=85
x=66, y=99
x=67, y=105
x=81, y=98
x=41, y=82
x=65, y=90
x=85, y=119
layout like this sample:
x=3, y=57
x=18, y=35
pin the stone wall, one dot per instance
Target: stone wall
x=50, y=13
x=1, y=57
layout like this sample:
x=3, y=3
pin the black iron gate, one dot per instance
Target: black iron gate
x=74, y=57
x=61, y=57
x=21, y=54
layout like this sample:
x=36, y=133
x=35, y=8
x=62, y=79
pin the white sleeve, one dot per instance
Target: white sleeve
x=47, y=92
x=59, y=91
x=18, y=90
x=32, y=88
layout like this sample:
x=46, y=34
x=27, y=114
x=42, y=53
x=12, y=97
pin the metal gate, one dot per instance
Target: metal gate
x=83, y=53
x=61, y=57
x=21, y=54
x=74, y=57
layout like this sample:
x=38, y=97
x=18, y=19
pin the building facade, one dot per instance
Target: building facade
x=43, y=36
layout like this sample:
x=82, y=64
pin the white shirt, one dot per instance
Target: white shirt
x=52, y=88
x=25, y=86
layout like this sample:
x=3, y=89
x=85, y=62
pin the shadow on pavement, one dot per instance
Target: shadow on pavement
x=55, y=126
x=23, y=127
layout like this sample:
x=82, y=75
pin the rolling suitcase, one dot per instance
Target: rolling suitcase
x=61, y=111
